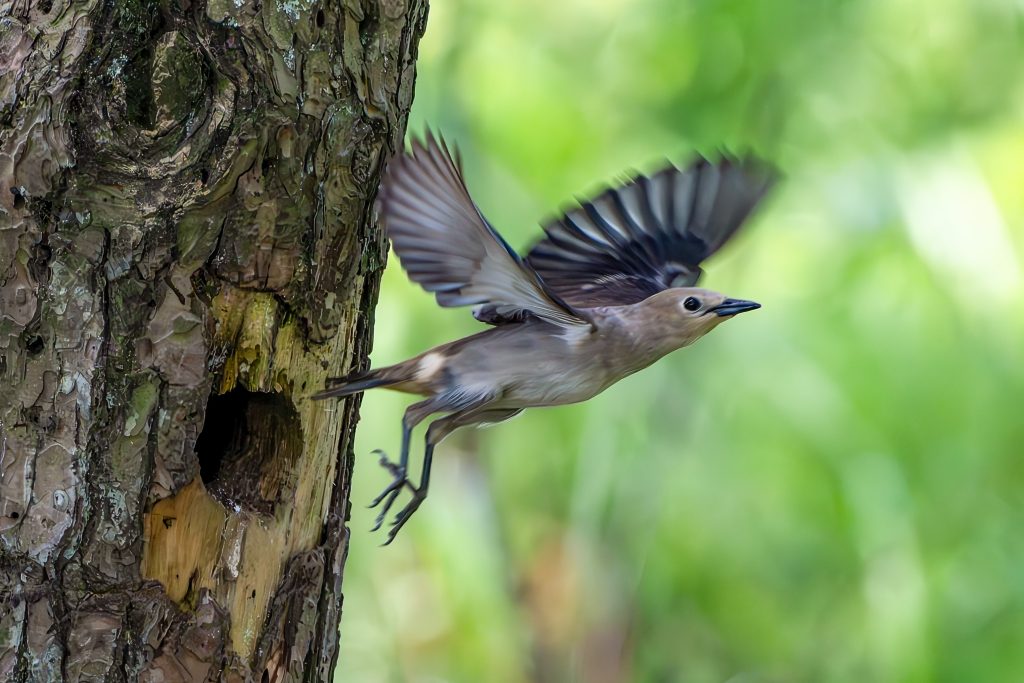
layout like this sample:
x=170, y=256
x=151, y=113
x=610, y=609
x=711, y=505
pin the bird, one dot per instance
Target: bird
x=608, y=290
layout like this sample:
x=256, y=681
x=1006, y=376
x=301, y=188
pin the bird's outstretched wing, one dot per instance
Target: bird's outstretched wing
x=649, y=234
x=446, y=245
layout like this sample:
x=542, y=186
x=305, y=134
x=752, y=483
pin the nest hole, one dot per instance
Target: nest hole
x=19, y=198
x=34, y=344
x=248, y=449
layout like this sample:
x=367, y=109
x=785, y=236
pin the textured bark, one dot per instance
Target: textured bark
x=186, y=251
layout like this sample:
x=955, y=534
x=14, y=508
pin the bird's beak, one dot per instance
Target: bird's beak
x=734, y=306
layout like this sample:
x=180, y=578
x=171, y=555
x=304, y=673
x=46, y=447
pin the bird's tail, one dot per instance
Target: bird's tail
x=359, y=382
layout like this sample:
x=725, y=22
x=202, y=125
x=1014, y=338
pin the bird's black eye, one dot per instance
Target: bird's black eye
x=692, y=303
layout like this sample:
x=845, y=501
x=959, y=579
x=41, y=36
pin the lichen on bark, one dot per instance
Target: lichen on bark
x=186, y=195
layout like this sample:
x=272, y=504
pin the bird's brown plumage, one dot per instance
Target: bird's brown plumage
x=608, y=291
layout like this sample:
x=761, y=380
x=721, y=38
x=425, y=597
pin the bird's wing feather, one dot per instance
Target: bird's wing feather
x=446, y=245
x=650, y=234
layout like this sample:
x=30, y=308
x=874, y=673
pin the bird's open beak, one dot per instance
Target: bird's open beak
x=734, y=306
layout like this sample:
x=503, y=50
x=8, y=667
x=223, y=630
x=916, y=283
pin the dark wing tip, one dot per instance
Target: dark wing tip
x=652, y=231
x=429, y=151
x=430, y=143
x=754, y=166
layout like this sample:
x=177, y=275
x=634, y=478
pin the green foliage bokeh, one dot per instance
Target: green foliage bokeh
x=828, y=489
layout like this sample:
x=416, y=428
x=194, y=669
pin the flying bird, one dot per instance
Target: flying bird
x=606, y=292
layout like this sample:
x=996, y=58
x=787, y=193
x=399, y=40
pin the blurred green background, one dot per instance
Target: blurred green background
x=829, y=489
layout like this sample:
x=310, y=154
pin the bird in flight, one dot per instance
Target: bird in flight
x=606, y=292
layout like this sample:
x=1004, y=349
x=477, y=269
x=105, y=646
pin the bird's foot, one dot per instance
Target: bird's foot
x=391, y=491
x=404, y=514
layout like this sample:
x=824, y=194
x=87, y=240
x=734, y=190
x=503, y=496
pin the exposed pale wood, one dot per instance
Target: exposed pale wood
x=193, y=541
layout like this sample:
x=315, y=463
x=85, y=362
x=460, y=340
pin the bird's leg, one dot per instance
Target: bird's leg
x=437, y=431
x=414, y=414
x=419, y=494
x=398, y=477
x=397, y=470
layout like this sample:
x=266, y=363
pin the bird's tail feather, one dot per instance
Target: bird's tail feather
x=357, y=383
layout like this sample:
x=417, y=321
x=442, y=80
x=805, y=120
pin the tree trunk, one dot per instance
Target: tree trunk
x=186, y=251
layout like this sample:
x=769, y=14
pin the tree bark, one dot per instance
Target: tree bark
x=187, y=250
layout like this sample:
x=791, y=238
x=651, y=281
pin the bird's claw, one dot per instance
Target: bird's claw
x=390, y=494
x=396, y=470
x=398, y=479
x=403, y=515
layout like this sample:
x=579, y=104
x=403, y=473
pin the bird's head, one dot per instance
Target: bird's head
x=682, y=315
